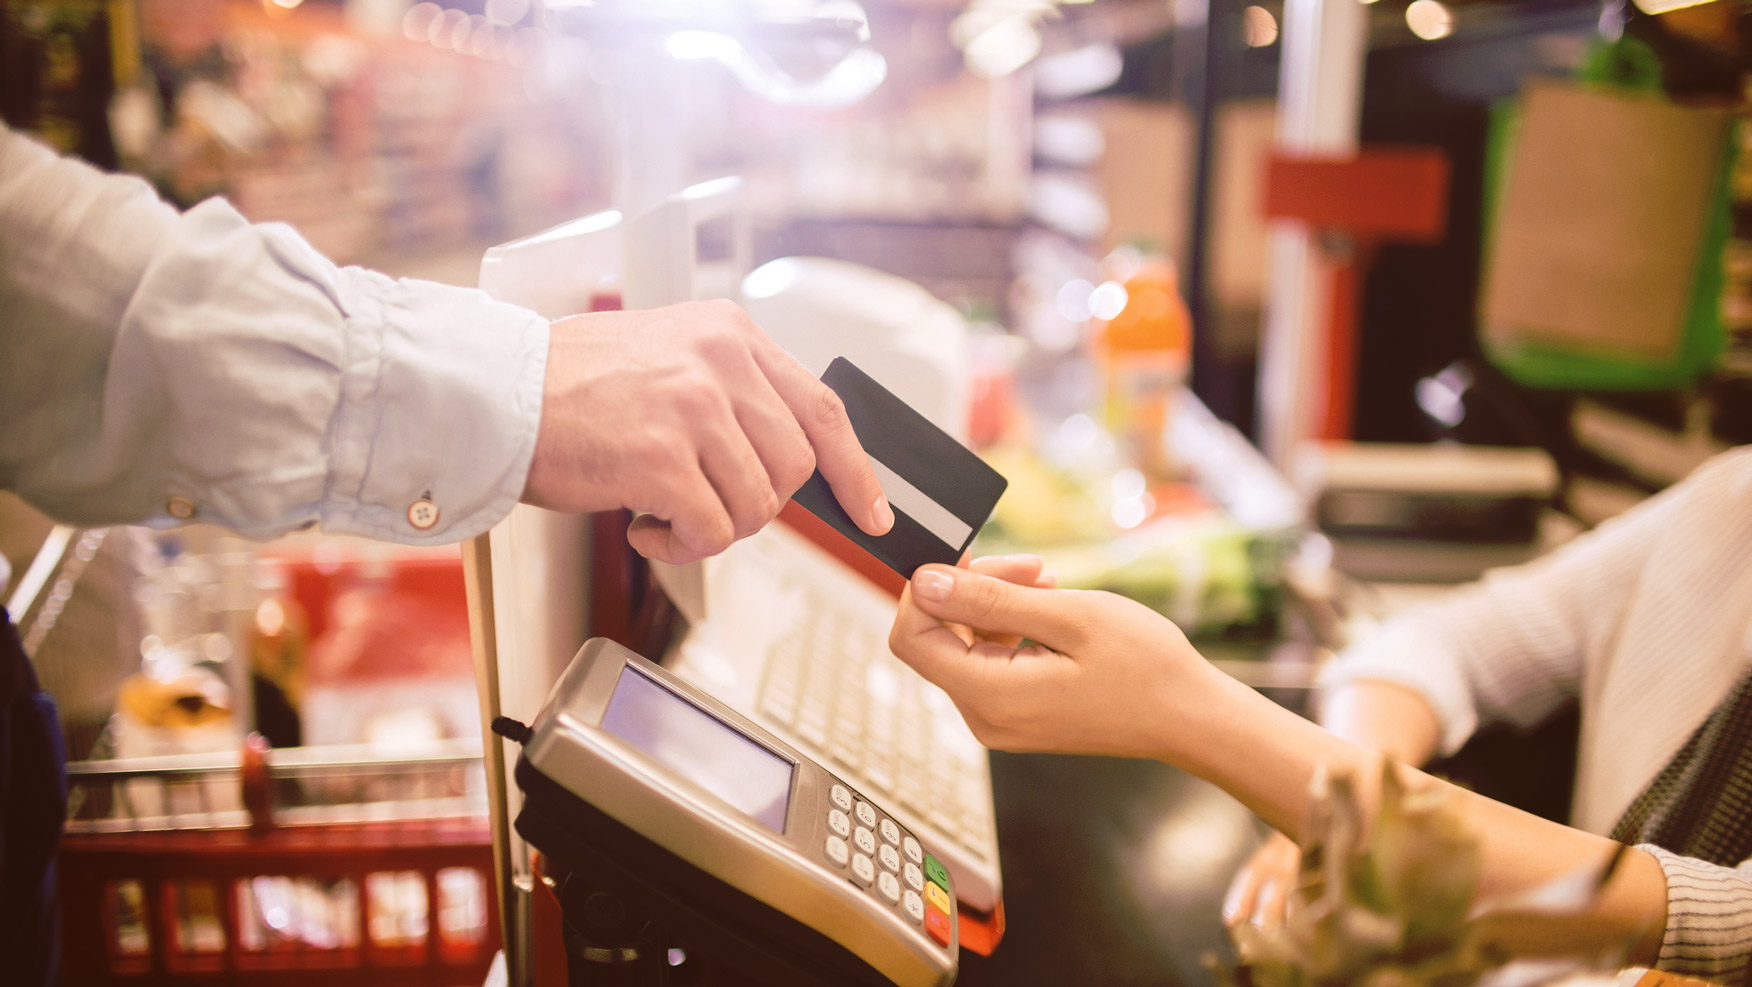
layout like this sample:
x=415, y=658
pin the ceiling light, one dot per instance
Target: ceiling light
x=1662, y=6
x=1003, y=48
x=1258, y=27
x=1429, y=20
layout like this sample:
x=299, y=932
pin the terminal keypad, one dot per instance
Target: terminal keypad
x=886, y=860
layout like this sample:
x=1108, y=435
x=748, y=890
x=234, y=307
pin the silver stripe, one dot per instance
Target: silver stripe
x=911, y=501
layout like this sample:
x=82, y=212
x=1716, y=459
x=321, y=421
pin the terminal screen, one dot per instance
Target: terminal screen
x=700, y=747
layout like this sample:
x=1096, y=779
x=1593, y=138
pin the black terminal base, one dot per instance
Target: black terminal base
x=636, y=915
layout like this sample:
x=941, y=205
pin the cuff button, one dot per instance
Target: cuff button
x=180, y=508
x=422, y=514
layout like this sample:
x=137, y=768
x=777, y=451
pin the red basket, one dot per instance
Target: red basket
x=382, y=903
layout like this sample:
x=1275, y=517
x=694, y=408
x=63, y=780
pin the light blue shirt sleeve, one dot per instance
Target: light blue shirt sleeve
x=157, y=367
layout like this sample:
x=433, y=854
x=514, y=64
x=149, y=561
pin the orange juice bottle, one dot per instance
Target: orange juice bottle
x=1144, y=352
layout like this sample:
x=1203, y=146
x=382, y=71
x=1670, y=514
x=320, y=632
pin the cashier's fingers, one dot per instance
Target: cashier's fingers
x=938, y=637
x=1260, y=892
x=1056, y=618
x=838, y=455
x=943, y=653
x=1106, y=675
x=1007, y=695
x=1023, y=570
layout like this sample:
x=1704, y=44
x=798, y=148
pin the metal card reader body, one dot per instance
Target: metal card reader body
x=750, y=851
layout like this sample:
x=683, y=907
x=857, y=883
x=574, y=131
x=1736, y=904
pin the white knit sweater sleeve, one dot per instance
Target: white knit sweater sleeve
x=1709, y=917
x=1512, y=647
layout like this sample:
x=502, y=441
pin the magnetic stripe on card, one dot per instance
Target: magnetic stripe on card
x=916, y=504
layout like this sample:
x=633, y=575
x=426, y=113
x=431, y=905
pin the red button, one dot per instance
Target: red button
x=937, y=924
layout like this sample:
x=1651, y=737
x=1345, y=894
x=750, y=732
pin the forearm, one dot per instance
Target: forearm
x=74, y=245
x=1512, y=648
x=1384, y=717
x=1105, y=675
x=157, y=368
x=1267, y=757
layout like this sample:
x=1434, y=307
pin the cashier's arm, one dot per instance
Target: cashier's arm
x=1106, y=675
x=1385, y=717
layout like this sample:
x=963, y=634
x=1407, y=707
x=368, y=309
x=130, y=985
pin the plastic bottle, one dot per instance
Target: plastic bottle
x=278, y=642
x=1144, y=351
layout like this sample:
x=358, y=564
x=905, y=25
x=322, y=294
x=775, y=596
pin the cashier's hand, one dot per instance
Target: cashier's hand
x=1097, y=673
x=692, y=417
x=1260, y=892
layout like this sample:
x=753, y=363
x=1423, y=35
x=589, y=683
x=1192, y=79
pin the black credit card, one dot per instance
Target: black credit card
x=941, y=492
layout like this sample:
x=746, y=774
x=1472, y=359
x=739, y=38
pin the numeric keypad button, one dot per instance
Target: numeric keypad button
x=888, y=857
x=914, y=905
x=937, y=898
x=914, y=877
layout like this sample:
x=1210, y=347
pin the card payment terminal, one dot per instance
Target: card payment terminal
x=717, y=830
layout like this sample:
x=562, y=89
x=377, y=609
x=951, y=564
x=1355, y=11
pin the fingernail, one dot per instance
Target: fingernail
x=932, y=585
x=884, y=514
x=1266, y=890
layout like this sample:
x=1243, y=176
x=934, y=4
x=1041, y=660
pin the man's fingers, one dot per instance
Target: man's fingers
x=838, y=455
x=740, y=480
x=842, y=460
x=783, y=448
x=655, y=539
x=690, y=523
x=1052, y=617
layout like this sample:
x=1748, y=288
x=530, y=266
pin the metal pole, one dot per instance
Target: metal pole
x=1320, y=98
x=477, y=576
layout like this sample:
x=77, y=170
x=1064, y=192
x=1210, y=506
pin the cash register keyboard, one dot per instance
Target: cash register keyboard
x=832, y=682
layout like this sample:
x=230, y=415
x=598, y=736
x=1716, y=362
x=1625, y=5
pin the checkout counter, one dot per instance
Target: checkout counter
x=1112, y=871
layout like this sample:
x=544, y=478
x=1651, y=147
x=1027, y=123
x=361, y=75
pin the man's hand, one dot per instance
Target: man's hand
x=692, y=417
x=1102, y=674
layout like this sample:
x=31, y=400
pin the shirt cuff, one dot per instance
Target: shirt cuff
x=1709, y=917
x=440, y=406
x=1401, y=654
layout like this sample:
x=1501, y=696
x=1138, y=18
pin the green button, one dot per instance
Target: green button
x=936, y=873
